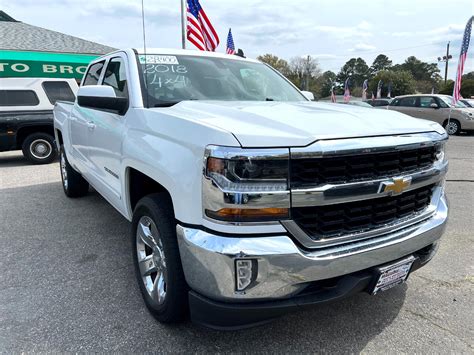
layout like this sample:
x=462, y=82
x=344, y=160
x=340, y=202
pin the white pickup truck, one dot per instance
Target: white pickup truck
x=247, y=199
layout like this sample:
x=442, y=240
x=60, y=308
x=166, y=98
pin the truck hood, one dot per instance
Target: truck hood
x=284, y=124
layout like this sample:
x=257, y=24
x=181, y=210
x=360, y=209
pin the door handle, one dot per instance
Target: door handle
x=91, y=125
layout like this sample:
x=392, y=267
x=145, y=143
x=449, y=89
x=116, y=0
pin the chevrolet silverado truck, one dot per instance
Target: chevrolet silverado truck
x=26, y=115
x=246, y=199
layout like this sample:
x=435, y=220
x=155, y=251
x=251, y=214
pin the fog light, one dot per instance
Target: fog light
x=245, y=273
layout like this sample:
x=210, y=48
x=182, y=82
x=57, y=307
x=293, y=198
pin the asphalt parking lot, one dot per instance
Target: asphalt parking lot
x=67, y=283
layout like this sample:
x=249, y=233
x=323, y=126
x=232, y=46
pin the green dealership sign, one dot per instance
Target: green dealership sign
x=43, y=64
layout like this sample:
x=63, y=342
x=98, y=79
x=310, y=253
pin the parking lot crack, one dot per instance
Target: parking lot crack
x=432, y=322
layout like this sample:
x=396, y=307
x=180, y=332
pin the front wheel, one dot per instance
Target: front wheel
x=39, y=148
x=157, y=260
x=453, y=127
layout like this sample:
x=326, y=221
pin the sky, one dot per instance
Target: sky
x=331, y=31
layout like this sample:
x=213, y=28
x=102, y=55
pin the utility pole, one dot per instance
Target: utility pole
x=446, y=59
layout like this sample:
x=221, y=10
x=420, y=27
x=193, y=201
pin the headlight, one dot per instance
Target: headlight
x=441, y=152
x=246, y=185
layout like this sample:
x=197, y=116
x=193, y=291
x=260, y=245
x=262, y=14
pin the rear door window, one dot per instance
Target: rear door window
x=18, y=98
x=407, y=102
x=426, y=101
x=93, y=74
x=58, y=90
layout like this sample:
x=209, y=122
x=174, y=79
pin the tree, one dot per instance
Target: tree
x=279, y=64
x=402, y=82
x=469, y=75
x=325, y=83
x=381, y=62
x=303, y=71
x=355, y=68
x=420, y=70
x=467, y=88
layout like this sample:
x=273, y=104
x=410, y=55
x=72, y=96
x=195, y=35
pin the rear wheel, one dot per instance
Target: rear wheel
x=39, y=148
x=157, y=260
x=453, y=127
x=74, y=185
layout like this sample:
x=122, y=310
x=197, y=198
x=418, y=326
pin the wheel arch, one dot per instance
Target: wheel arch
x=139, y=185
x=445, y=122
x=25, y=131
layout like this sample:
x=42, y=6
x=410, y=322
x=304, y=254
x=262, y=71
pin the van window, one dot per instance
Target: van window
x=18, y=98
x=93, y=74
x=116, y=78
x=426, y=101
x=58, y=90
x=408, y=101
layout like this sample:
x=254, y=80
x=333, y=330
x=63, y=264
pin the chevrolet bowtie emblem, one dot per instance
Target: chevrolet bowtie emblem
x=396, y=186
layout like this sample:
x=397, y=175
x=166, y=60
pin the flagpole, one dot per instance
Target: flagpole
x=183, y=24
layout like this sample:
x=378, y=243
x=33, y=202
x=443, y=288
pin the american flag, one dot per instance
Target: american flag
x=365, y=86
x=347, y=91
x=379, y=89
x=333, y=95
x=230, y=44
x=200, y=31
x=462, y=59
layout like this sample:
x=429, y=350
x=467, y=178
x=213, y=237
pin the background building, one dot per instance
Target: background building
x=31, y=51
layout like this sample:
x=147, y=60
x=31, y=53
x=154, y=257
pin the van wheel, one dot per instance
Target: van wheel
x=157, y=260
x=39, y=148
x=453, y=127
x=74, y=185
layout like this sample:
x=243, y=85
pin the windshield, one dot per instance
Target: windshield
x=448, y=101
x=171, y=79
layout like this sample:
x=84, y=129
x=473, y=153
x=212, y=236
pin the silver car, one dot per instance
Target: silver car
x=436, y=108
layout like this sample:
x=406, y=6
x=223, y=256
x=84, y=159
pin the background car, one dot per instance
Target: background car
x=379, y=102
x=356, y=103
x=437, y=108
x=468, y=102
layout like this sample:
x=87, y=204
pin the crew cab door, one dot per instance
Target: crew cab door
x=106, y=136
x=82, y=117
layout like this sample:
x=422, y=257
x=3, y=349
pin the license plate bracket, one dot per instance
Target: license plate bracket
x=393, y=274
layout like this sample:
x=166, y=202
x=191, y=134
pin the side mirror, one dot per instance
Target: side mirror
x=433, y=105
x=308, y=94
x=101, y=97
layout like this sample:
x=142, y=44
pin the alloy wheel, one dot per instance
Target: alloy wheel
x=63, y=170
x=151, y=259
x=452, y=127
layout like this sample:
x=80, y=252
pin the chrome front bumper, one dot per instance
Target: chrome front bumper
x=284, y=269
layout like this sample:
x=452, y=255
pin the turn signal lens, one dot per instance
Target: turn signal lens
x=249, y=215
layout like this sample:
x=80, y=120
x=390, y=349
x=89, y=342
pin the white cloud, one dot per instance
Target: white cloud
x=362, y=47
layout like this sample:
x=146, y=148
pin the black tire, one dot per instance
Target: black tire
x=39, y=148
x=454, y=127
x=74, y=185
x=173, y=306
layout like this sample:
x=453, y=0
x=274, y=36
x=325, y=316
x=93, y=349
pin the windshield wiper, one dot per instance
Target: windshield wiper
x=269, y=99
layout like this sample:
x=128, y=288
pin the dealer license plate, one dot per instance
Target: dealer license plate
x=393, y=275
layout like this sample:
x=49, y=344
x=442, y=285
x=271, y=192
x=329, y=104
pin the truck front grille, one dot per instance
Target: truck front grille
x=321, y=222
x=307, y=172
